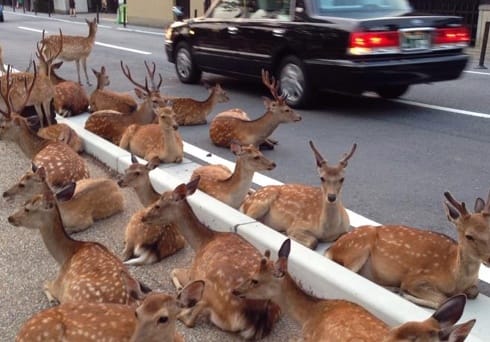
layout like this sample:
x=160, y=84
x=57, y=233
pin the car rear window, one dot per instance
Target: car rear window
x=360, y=9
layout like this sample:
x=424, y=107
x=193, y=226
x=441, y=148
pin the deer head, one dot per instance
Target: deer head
x=101, y=77
x=46, y=63
x=136, y=174
x=144, y=91
x=30, y=184
x=251, y=156
x=278, y=107
x=166, y=117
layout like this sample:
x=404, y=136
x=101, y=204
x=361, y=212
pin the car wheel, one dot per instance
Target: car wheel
x=293, y=82
x=186, y=69
x=1, y=18
x=392, y=92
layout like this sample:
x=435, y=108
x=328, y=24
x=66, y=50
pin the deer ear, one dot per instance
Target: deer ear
x=153, y=163
x=267, y=102
x=40, y=171
x=450, y=311
x=192, y=185
x=179, y=192
x=235, y=147
x=134, y=160
x=457, y=333
x=95, y=71
x=139, y=93
x=66, y=193
x=285, y=249
x=191, y=294
x=451, y=213
x=479, y=205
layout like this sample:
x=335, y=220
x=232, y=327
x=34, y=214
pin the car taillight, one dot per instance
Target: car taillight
x=367, y=43
x=451, y=37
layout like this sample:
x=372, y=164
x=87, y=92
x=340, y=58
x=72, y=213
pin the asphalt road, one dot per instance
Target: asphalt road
x=408, y=153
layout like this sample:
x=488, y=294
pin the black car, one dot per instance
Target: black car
x=341, y=45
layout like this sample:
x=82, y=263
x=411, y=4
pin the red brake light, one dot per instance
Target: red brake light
x=453, y=36
x=362, y=43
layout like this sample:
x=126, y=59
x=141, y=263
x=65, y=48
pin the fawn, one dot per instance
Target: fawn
x=234, y=125
x=160, y=140
x=94, y=199
x=89, y=272
x=307, y=214
x=73, y=48
x=231, y=188
x=222, y=260
x=144, y=243
x=427, y=267
x=152, y=321
x=64, y=133
x=340, y=320
x=101, y=98
x=110, y=124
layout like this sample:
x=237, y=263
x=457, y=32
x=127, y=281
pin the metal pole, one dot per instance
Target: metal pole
x=97, y=20
x=124, y=13
x=481, y=64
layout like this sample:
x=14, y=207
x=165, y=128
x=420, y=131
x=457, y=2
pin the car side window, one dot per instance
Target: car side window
x=229, y=9
x=269, y=9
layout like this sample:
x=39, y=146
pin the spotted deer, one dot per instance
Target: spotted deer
x=89, y=272
x=333, y=320
x=145, y=243
x=64, y=133
x=427, y=267
x=189, y=111
x=222, y=260
x=307, y=214
x=101, y=98
x=73, y=48
x=235, y=125
x=62, y=163
x=94, y=199
x=152, y=321
x=110, y=124
x=161, y=140
x=231, y=188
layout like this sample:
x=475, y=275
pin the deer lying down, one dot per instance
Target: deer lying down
x=64, y=133
x=152, y=321
x=94, y=199
x=307, y=214
x=231, y=188
x=334, y=320
x=427, y=267
x=88, y=272
x=144, y=243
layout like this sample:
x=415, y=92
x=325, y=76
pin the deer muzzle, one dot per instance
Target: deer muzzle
x=332, y=197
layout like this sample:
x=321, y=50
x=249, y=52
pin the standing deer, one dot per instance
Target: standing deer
x=222, y=260
x=64, y=133
x=307, y=214
x=231, y=188
x=189, y=111
x=152, y=321
x=427, y=267
x=73, y=48
x=234, y=125
x=144, y=243
x=160, y=140
x=94, y=199
x=334, y=320
x=89, y=272
x=102, y=98
x=110, y=124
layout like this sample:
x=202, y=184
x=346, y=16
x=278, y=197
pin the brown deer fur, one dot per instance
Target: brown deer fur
x=62, y=132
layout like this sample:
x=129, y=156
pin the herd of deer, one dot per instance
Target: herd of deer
x=229, y=281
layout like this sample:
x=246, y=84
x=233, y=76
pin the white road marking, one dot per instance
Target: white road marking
x=117, y=47
x=30, y=29
x=477, y=72
x=445, y=109
x=140, y=31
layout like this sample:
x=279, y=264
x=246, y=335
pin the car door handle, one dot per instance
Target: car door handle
x=278, y=32
x=232, y=30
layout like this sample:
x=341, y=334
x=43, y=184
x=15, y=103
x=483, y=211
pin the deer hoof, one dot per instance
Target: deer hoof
x=472, y=292
x=266, y=146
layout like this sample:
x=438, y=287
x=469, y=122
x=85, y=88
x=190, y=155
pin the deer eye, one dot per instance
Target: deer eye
x=341, y=180
x=136, y=314
x=21, y=185
x=137, y=173
x=322, y=179
x=26, y=210
x=256, y=157
x=255, y=281
x=469, y=238
x=157, y=207
x=163, y=319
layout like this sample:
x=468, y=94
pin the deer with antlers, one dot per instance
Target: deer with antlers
x=111, y=125
x=189, y=111
x=73, y=48
x=221, y=260
x=231, y=188
x=426, y=267
x=333, y=320
x=235, y=125
x=307, y=214
x=102, y=98
x=160, y=140
x=94, y=199
x=144, y=243
x=89, y=272
x=62, y=163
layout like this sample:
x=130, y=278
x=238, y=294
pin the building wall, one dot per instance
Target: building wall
x=157, y=13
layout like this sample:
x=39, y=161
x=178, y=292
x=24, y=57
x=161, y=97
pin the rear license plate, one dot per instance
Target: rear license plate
x=415, y=40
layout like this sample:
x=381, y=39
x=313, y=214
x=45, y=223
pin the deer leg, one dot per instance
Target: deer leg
x=84, y=64
x=472, y=292
x=354, y=259
x=420, y=291
x=48, y=291
x=78, y=71
x=272, y=141
x=180, y=277
x=266, y=145
x=304, y=237
x=40, y=114
x=47, y=111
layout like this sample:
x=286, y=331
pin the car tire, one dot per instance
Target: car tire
x=1, y=18
x=392, y=92
x=186, y=68
x=294, y=83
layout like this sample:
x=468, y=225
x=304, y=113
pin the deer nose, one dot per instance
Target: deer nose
x=237, y=293
x=11, y=219
x=331, y=198
x=120, y=183
x=273, y=166
x=5, y=194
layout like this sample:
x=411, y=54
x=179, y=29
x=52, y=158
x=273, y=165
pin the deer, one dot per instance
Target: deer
x=307, y=214
x=89, y=271
x=94, y=199
x=2, y=64
x=102, y=98
x=426, y=267
x=110, y=124
x=62, y=132
x=236, y=125
x=221, y=260
x=144, y=243
x=73, y=48
x=61, y=162
x=231, y=188
x=189, y=111
x=152, y=321
x=341, y=320
x=161, y=140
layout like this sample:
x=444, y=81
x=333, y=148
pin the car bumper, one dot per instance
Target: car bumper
x=369, y=75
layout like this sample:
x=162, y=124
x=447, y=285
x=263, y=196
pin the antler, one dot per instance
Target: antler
x=347, y=156
x=8, y=89
x=127, y=73
x=151, y=73
x=48, y=61
x=273, y=86
x=461, y=207
x=319, y=158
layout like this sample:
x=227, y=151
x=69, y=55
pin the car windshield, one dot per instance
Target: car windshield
x=360, y=9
